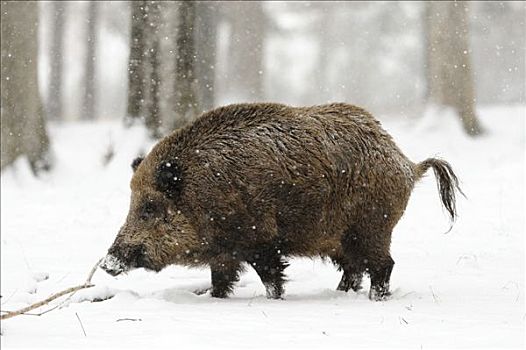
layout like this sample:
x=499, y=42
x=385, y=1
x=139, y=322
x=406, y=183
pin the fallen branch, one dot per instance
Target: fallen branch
x=22, y=311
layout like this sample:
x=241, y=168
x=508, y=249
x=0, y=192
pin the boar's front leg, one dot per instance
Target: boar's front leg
x=352, y=274
x=224, y=275
x=269, y=265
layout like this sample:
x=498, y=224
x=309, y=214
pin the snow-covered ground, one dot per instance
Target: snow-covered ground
x=461, y=289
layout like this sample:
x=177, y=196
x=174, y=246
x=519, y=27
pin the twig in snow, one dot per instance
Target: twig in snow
x=434, y=296
x=81, y=325
x=5, y=301
x=128, y=319
x=25, y=313
x=22, y=311
x=406, y=294
x=58, y=305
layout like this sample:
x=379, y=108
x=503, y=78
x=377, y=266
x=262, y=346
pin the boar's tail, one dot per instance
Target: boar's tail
x=447, y=182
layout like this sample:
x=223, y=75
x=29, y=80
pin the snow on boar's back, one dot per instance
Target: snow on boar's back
x=257, y=183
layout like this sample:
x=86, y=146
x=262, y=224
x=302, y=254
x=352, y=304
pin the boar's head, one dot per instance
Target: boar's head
x=156, y=232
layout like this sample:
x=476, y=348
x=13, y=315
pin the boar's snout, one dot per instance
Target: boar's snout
x=123, y=259
x=112, y=265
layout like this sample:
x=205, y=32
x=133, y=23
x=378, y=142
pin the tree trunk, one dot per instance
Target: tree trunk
x=89, y=103
x=206, y=23
x=23, y=126
x=186, y=103
x=449, y=76
x=54, y=110
x=144, y=78
x=136, y=62
x=152, y=118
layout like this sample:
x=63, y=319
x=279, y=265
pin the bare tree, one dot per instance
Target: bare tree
x=23, y=126
x=58, y=16
x=144, y=77
x=152, y=118
x=448, y=70
x=188, y=61
x=89, y=103
x=186, y=100
x=136, y=61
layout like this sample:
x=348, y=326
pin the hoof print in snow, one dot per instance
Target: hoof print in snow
x=40, y=276
x=99, y=299
x=375, y=295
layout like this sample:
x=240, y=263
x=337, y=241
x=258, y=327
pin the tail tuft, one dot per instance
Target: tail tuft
x=447, y=183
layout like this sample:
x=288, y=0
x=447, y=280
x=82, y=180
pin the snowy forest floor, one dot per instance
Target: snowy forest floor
x=461, y=289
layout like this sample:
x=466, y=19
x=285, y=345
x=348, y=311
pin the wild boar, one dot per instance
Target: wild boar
x=258, y=183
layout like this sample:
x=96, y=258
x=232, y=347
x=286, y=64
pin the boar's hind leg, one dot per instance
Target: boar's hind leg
x=270, y=266
x=224, y=275
x=367, y=253
x=380, y=272
x=375, y=249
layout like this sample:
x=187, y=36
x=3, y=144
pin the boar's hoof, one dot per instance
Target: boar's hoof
x=222, y=294
x=379, y=294
x=273, y=291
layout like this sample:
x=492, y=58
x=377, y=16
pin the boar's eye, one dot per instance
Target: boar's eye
x=149, y=210
x=168, y=178
x=136, y=162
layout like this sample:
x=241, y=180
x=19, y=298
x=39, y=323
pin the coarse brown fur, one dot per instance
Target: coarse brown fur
x=260, y=182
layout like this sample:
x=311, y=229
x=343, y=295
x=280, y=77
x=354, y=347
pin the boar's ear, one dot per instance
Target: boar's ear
x=168, y=178
x=136, y=162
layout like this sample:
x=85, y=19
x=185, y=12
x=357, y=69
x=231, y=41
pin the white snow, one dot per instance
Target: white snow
x=456, y=290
